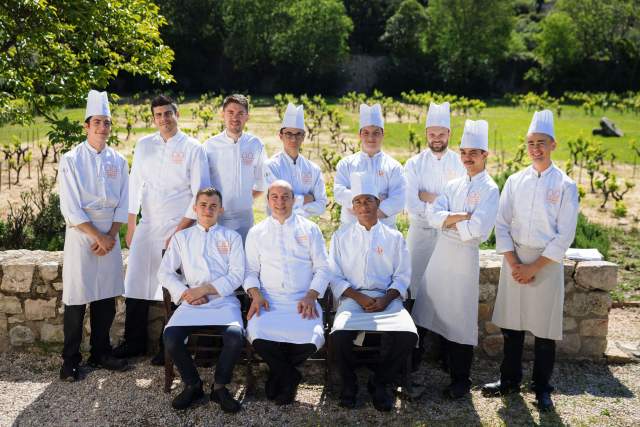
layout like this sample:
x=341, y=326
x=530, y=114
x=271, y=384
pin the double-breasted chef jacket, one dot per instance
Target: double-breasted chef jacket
x=285, y=261
x=447, y=298
x=165, y=177
x=93, y=188
x=304, y=176
x=537, y=217
x=214, y=257
x=236, y=169
x=388, y=177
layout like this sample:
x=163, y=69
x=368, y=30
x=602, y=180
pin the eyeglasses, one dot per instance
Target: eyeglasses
x=291, y=135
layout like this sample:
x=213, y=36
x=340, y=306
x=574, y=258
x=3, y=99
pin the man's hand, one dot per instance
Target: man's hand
x=194, y=294
x=103, y=244
x=307, y=305
x=524, y=273
x=455, y=218
x=97, y=250
x=427, y=197
x=257, y=301
x=200, y=301
x=381, y=303
x=364, y=300
x=308, y=198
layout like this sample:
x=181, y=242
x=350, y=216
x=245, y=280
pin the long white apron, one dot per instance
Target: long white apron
x=219, y=311
x=87, y=277
x=351, y=316
x=160, y=217
x=421, y=241
x=536, y=307
x=283, y=323
x=447, y=299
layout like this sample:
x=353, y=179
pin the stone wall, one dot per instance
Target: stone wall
x=31, y=308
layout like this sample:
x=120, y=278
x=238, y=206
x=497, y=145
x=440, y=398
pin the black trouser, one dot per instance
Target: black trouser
x=136, y=323
x=395, y=347
x=544, y=358
x=232, y=343
x=458, y=358
x=283, y=357
x=102, y=313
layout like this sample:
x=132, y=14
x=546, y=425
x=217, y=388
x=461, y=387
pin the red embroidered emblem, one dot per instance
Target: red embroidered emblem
x=380, y=172
x=306, y=178
x=110, y=171
x=379, y=250
x=247, y=157
x=473, y=198
x=177, y=157
x=302, y=238
x=553, y=196
x=223, y=247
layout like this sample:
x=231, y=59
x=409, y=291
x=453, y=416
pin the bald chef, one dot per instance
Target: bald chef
x=536, y=225
x=287, y=271
x=304, y=176
x=371, y=270
x=386, y=172
x=93, y=202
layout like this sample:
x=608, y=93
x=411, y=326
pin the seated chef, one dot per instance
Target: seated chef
x=287, y=271
x=211, y=259
x=371, y=271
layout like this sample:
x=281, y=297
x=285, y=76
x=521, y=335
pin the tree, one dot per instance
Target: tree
x=369, y=19
x=406, y=31
x=53, y=52
x=558, y=45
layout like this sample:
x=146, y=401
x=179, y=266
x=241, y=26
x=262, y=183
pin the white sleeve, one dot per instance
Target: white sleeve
x=567, y=221
x=402, y=271
x=198, y=178
x=342, y=185
x=339, y=282
x=70, y=200
x=167, y=276
x=504, y=241
x=414, y=205
x=259, y=183
x=482, y=220
x=441, y=209
x=135, y=182
x=320, y=260
x=394, y=203
x=122, y=211
x=319, y=205
x=252, y=252
x=227, y=284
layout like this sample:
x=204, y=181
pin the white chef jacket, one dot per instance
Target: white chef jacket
x=204, y=257
x=538, y=211
x=236, y=169
x=93, y=188
x=425, y=172
x=388, y=177
x=304, y=176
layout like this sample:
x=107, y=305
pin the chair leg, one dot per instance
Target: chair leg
x=250, y=378
x=169, y=374
x=328, y=377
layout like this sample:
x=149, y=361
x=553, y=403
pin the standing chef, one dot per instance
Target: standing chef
x=304, y=176
x=371, y=269
x=386, y=172
x=536, y=225
x=93, y=201
x=168, y=169
x=447, y=298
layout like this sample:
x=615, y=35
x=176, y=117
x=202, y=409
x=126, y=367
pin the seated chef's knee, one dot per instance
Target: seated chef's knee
x=233, y=336
x=173, y=338
x=341, y=338
x=406, y=339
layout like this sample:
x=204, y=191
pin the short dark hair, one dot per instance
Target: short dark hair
x=161, y=100
x=210, y=192
x=238, y=99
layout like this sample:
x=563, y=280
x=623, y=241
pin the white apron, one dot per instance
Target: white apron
x=447, y=299
x=87, y=277
x=421, y=241
x=283, y=323
x=352, y=317
x=219, y=311
x=536, y=307
x=160, y=217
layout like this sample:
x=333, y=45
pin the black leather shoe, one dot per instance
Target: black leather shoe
x=69, y=373
x=188, y=396
x=499, y=389
x=108, y=362
x=544, y=401
x=348, y=396
x=158, y=359
x=457, y=390
x=125, y=350
x=289, y=388
x=380, y=397
x=225, y=400
x=272, y=386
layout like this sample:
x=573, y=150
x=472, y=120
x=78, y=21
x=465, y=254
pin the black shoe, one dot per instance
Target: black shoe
x=225, y=400
x=69, y=373
x=158, y=359
x=499, y=389
x=348, y=396
x=457, y=390
x=272, y=386
x=108, y=362
x=380, y=397
x=544, y=401
x=289, y=388
x=125, y=350
x=187, y=396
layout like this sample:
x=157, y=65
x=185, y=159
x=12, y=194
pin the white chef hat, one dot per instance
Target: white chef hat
x=362, y=183
x=438, y=115
x=371, y=116
x=475, y=135
x=293, y=117
x=542, y=122
x=97, y=104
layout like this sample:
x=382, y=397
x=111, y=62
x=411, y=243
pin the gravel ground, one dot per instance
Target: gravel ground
x=587, y=393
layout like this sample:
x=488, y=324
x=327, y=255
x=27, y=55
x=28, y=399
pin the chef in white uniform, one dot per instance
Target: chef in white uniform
x=536, y=225
x=211, y=261
x=386, y=172
x=447, y=298
x=304, y=176
x=287, y=271
x=236, y=165
x=93, y=201
x=371, y=270
x=168, y=169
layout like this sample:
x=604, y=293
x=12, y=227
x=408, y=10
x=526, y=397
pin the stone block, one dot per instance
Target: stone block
x=593, y=347
x=601, y=275
x=491, y=328
x=484, y=311
x=493, y=344
x=490, y=264
x=582, y=303
x=48, y=271
x=569, y=270
x=57, y=286
x=18, y=318
x=570, y=344
x=594, y=327
x=4, y=335
x=10, y=305
x=39, y=309
x=488, y=292
x=51, y=333
x=17, y=275
x=569, y=324
x=20, y=335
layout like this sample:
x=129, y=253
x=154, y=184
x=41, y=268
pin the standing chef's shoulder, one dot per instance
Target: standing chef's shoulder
x=567, y=182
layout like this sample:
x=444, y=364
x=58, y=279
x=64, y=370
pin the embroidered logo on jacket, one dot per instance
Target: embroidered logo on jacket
x=553, y=196
x=379, y=250
x=247, y=157
x=473, y=198
x=111, y=171
x=380, y=172
x=223, y=247
x=307, y=178
x=302, y=239
x=177, y=157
